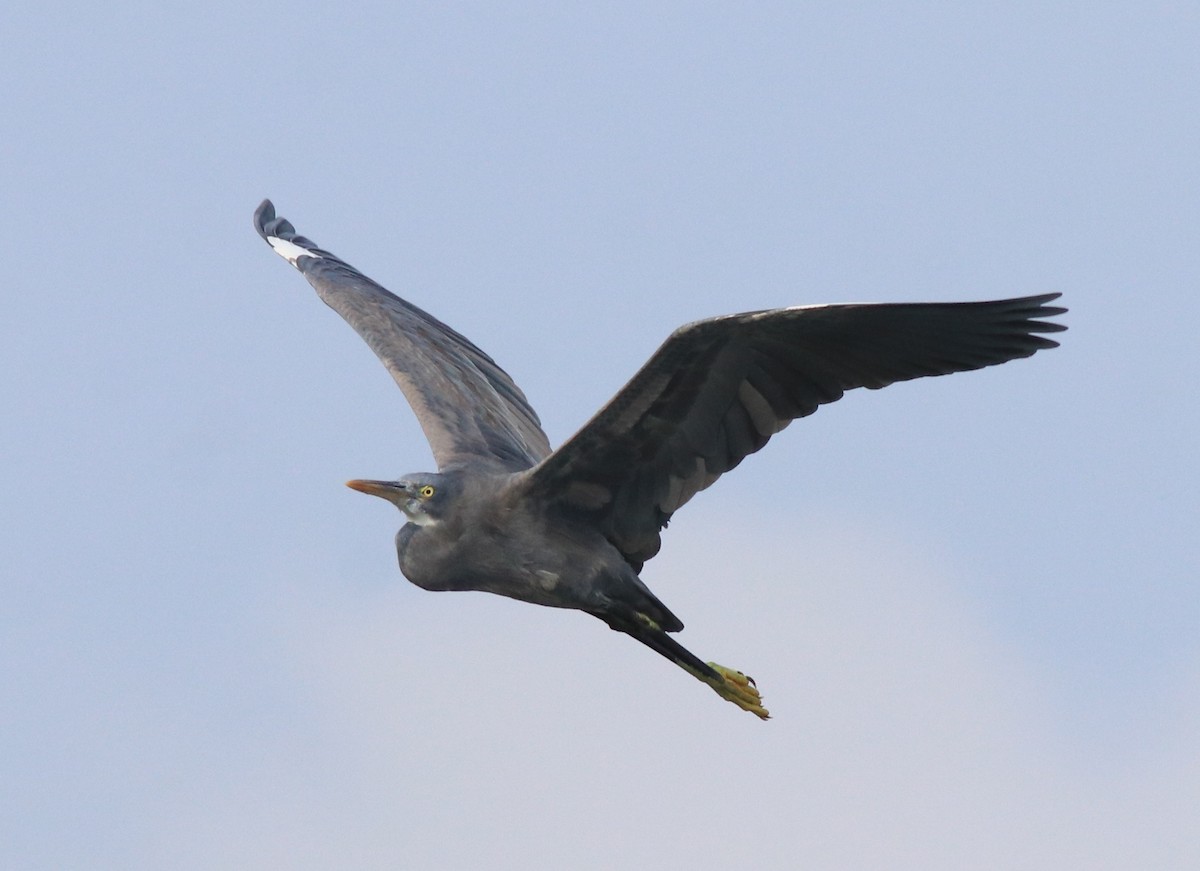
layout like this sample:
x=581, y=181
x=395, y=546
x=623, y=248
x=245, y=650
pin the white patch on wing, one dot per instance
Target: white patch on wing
x=760, y=411
x=682, y=488
x=289, y=251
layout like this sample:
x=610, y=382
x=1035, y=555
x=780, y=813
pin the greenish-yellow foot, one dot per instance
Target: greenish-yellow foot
x=737, y=688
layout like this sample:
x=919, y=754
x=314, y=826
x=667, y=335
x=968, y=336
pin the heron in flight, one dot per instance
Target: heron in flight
x=572, y=527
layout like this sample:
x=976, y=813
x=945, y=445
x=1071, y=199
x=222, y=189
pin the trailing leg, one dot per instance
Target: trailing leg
x=728, y=683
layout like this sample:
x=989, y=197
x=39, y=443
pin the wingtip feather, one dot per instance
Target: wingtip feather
x=264, y=215
x=281, y=235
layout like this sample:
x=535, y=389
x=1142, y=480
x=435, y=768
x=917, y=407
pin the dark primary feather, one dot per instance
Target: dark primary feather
x=469, y=408
x=718, y=389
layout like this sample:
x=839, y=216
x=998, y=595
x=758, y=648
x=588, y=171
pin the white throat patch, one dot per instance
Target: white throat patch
x=420, y=518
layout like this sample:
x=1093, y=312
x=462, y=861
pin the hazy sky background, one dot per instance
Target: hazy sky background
x=972, y=603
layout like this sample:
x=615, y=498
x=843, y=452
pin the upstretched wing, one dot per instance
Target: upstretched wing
x=718, y=389
x=469, y=408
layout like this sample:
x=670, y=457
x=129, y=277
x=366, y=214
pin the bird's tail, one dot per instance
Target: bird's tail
x=731, y=685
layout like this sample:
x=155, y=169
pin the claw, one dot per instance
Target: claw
x=736, y=687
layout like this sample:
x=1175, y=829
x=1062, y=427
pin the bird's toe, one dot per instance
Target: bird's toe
x=739, y=688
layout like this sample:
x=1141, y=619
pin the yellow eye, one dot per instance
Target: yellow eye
x=425, y=492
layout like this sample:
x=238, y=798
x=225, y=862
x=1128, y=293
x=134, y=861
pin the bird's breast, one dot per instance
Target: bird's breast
x=533, y=564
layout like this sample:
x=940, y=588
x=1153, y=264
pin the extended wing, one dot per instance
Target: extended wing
x=718, y=389
x=469, y=408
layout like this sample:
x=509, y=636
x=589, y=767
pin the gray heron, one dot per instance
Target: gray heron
x=571, y=528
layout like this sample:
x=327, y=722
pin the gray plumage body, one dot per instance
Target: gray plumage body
x=498, y=540
x=572, y=527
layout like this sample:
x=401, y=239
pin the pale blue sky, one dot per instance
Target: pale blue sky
x=972, y=603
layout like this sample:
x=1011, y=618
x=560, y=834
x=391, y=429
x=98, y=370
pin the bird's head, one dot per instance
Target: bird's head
x=422, y=498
